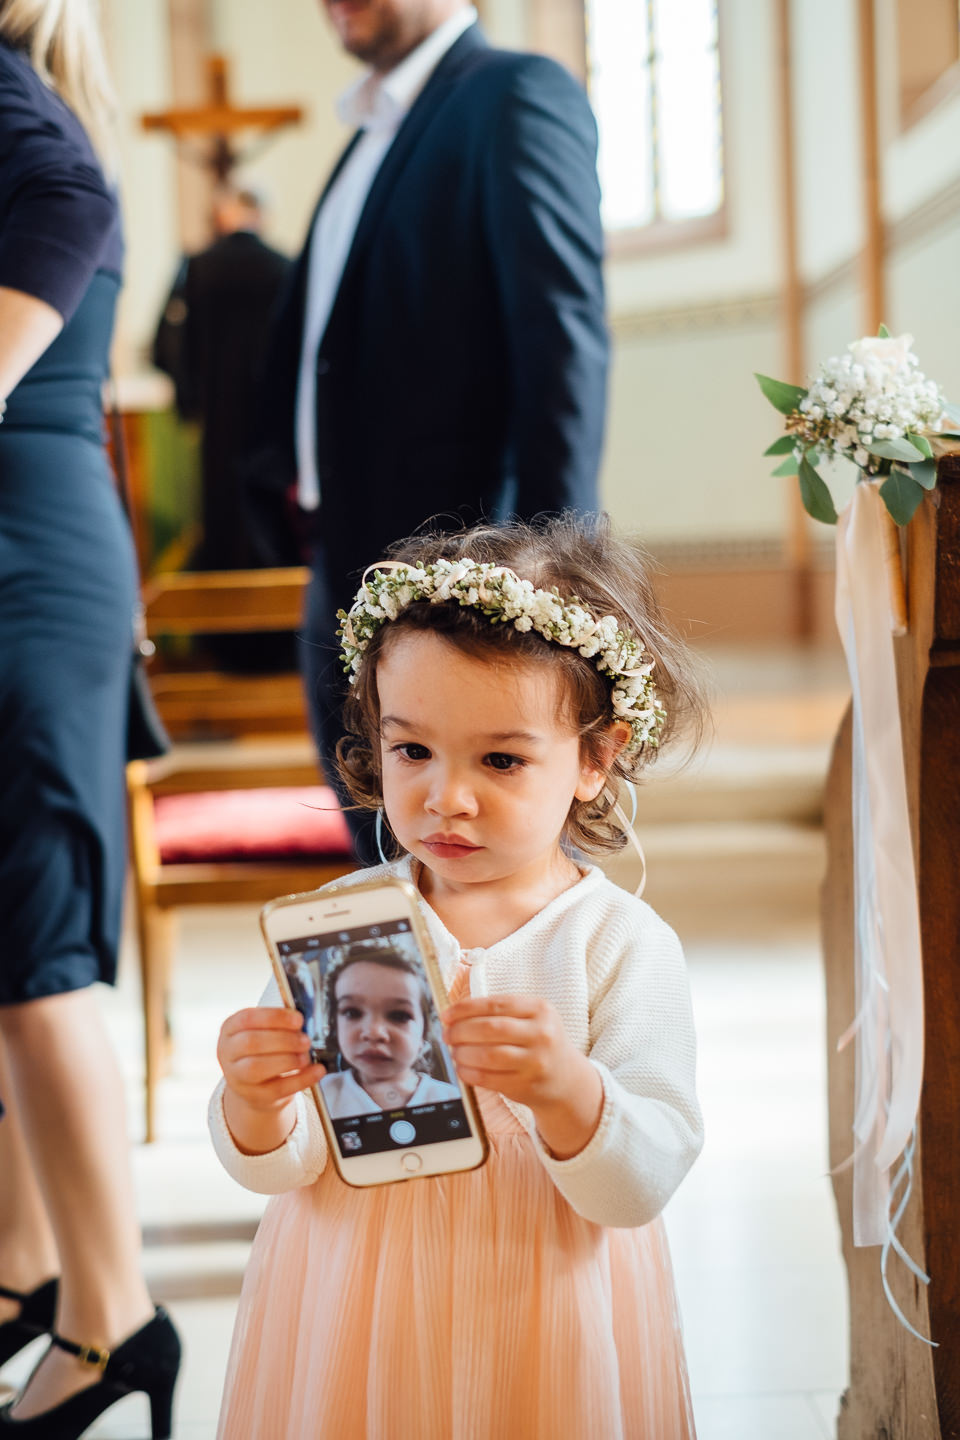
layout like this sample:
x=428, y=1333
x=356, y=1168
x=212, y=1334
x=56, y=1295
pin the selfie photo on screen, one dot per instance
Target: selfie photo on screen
x=383, y=1031
x=372, y=1021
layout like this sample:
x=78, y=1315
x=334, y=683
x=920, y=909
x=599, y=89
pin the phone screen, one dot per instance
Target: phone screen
x=371, y=1019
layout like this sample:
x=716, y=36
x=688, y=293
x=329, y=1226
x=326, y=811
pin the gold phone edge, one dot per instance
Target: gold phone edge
x=328, y=892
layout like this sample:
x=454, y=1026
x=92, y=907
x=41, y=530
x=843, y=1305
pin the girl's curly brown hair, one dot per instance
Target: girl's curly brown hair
x=579, y=557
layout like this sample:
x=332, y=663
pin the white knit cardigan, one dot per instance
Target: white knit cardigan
x=616, y=975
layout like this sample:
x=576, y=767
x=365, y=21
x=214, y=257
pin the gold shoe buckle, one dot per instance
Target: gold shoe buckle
x=94, y=1355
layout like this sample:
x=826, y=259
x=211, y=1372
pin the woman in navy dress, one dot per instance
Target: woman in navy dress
x=69, y=1240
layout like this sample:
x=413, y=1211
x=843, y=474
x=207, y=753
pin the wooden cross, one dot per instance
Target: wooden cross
x=219, y=120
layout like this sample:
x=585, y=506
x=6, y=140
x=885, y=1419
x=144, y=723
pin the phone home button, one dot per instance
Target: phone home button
x=411, y=1162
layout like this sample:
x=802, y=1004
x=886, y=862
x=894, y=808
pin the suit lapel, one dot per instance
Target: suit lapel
x=442, y=79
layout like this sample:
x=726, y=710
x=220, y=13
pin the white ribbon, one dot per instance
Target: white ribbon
x=888, y=1025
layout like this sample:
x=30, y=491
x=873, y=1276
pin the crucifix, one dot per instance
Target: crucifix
x=219, y=121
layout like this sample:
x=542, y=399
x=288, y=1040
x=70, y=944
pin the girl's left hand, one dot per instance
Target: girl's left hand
x=516, y=1044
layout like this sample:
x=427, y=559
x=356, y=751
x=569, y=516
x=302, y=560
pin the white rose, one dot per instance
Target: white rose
x=888, y=354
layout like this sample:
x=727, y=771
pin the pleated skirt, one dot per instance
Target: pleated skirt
x=470, y=1307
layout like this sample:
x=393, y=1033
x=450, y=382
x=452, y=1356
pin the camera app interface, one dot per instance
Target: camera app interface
x=369, y=1013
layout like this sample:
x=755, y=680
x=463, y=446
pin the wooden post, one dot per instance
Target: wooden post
x=873, y=280
x=792, y=306
x=900, y=1387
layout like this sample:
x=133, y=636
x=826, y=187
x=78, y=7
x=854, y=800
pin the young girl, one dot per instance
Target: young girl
x=503, y=681
x=380, y=1024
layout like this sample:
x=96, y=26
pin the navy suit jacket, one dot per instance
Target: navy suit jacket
x=462, y=373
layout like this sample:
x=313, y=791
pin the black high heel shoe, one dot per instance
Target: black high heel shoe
x=37, y=1309
x=148, y=1360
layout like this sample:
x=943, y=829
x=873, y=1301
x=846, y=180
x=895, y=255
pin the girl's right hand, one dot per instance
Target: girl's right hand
x=265, y=1057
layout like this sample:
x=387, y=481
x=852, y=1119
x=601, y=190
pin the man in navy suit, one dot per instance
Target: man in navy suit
x=442, y=351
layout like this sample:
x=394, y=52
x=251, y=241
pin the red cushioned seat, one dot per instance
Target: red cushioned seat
x=277, y=824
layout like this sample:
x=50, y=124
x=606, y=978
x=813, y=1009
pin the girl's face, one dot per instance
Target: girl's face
x=380, y=1024
x=480, y=764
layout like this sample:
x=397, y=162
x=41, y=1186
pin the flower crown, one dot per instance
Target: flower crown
x=390, y=586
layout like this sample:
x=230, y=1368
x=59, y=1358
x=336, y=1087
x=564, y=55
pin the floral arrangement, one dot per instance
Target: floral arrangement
x=874, y=407
x=504, y=598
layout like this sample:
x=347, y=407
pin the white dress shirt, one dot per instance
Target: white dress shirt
x=377, y=105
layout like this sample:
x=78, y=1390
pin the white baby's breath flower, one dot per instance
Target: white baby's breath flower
x=503, y=596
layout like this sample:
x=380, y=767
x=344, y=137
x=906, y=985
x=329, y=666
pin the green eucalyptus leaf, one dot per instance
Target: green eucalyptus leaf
x=922, y=444
x=901, y=494
x=783, y=446
x=782, y=397
x=883, y=332
x=900, y=450
x=925, y=473
x=817, y=500
x=790, y=466
x=953, y=411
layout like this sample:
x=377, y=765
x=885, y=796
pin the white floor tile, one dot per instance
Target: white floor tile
x=826, y=1406
x=756, y=1417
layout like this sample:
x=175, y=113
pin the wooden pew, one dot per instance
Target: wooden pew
x=232, y=733
x=899, y=1387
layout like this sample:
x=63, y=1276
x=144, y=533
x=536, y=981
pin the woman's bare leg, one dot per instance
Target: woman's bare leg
x=28, y=1251
x=68, y=1091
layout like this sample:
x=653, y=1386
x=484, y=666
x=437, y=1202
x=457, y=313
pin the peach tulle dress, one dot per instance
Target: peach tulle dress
x=476, y=1306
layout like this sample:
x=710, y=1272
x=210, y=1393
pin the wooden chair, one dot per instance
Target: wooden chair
x=231, y=733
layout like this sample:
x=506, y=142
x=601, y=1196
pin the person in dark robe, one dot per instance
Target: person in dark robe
x=211, y=341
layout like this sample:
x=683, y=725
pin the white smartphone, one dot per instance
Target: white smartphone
x=359, y=966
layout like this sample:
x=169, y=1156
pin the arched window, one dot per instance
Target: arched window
x=653, y=70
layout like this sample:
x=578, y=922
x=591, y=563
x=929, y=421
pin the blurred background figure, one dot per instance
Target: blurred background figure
x=211, y=342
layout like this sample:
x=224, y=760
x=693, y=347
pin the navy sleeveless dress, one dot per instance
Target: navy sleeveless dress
x=67, y=572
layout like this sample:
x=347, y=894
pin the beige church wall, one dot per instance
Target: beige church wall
x=506, y=22
x=924, y=298
x=138, y=46
x=826, y=120
x=687, y=428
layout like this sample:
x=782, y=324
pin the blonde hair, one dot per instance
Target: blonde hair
x=63, y=43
